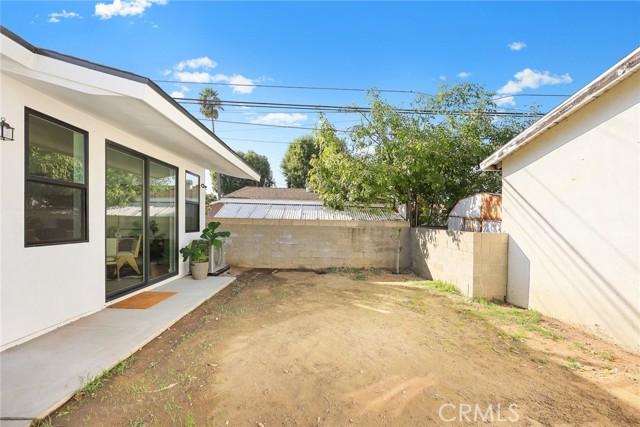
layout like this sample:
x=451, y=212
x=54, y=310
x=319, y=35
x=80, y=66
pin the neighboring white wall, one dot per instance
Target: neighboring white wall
x=44, y=287
x=475, y=263
x=571, y=206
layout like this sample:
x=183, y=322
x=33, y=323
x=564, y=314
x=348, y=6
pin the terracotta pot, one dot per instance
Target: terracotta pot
x=199, y=270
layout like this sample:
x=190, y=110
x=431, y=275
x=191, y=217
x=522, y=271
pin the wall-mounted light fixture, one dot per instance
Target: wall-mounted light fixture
x=203, y=186
x=6, y=131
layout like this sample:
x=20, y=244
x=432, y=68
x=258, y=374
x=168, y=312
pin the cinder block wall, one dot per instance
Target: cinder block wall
x=475, y=263
x=314, y=244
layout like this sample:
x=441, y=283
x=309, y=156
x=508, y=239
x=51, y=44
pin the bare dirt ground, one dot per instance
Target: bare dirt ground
x=298, y=348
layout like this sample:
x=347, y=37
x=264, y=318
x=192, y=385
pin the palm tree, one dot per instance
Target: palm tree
x=210, y=108
x=210, y=105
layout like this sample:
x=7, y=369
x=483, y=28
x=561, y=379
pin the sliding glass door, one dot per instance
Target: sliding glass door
x=141, y=216
x=162, y=219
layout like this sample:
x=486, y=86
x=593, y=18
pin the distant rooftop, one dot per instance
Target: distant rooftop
x=270, y=193
x=289, y=210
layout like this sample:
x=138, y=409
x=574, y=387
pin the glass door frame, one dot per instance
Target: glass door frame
x=146, y=231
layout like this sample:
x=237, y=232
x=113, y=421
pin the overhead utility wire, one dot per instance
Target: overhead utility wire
x=259, y=140
x=352, y=109
x=529, y=94
x=343, y=89
x=274, y=126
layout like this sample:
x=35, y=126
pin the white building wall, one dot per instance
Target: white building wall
x=45, y=287
x=571, y=206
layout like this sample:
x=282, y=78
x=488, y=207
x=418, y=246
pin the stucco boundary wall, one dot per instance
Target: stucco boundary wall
x=475, y=263
x=314, y=244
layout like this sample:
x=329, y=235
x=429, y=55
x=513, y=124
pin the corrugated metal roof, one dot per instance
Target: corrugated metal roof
x=306, y=212
x=137, y=211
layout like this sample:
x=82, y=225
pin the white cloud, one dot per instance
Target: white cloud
x=533, y=79
x=517, y=46
x=529, y=79
x=463, y=74
x=125, y=8
x=55, y=16
x=504, y=100
x=177, y=94
x=195, y=63
x=282, y=119
x=246, y=85
x=443, y=78
x=197, y=77
x=239, y=83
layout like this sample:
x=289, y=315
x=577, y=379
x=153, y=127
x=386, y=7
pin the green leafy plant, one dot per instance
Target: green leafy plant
x=572, y=363
x=439, y=286
x=198, y=250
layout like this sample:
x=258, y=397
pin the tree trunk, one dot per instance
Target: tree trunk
x=219, y=184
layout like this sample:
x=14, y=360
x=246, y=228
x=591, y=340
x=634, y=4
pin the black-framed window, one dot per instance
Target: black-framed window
x=56, y=163
x=192, y=202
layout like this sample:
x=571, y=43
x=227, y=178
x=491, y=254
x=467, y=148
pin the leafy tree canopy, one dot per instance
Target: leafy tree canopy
x=426, y=160
x=258, y=162
x=295, y=164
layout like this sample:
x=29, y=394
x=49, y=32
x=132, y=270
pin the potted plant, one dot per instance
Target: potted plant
x=198, y=250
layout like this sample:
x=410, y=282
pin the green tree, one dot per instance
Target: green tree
x=123, y=188
x=426, y=160
x=210, y=105
x=295, y=164
x=258, y=162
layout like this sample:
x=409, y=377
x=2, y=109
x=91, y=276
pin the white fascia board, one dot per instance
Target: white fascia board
x=606, y=81
x=64, y=74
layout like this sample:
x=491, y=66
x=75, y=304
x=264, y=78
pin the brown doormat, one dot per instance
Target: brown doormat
x=143, y=300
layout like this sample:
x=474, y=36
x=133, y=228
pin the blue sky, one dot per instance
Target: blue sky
x=510, y=47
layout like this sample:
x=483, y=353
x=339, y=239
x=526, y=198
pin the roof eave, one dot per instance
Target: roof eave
x=243, y=169
x=606, y=81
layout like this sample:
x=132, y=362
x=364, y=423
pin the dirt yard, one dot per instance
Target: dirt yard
x=362, y=348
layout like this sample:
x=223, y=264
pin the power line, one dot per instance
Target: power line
x=354, y=109
x=530, y=95
x=267, y=125
x=258, y=140
x=343, y=89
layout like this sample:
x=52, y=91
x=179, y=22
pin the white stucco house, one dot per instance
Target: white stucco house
x=571, y=207
x=99, y=188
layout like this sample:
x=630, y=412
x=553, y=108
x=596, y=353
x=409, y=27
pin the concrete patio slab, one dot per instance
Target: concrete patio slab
x=40, y=375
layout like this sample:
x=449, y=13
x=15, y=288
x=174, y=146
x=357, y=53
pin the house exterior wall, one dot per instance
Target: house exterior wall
x=45, y=287
x=313, y=244
x=475, y=263
x=571, y=207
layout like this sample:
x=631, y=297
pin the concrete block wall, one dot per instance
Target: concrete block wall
x=475, y=263
x=314, y=244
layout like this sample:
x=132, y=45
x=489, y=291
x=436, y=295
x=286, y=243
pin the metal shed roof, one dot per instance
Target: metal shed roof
x=304, y=212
